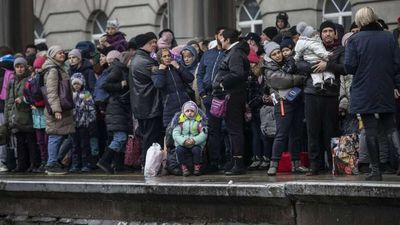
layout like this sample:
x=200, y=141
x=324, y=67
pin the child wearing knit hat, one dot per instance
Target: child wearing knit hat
x=190, y=136
x=84, y=114
x=311, y=49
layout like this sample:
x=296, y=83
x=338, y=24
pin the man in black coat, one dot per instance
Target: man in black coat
x=145, y=98
x=321, y=108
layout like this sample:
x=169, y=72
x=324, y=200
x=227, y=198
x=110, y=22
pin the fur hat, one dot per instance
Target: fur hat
x=78, y=78
x=39, y=61
x=75, y=52
x=269, y=48
x=20, y=60
x=113, y=24
x=114, y=54
x=326, y=24
x=142, y=39
x=53, y=51
x=190, y=105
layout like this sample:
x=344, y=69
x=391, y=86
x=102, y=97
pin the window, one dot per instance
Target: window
x=99, y=25
x=38, y=32
x=250, y=17
x=338, y=11
x=163, y=18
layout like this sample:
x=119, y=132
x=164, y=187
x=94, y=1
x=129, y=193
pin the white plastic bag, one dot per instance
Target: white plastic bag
x=154, y=158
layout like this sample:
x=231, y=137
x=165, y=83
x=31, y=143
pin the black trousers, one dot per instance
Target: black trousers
x=234, y=120
x=27, y=152
x=81, y=147
x=151, y=130
x=215, y=136
x=288, y=129
x=322, y=117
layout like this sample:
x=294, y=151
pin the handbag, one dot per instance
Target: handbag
x=133, y=152
x=345, y=154
x=64, y=94
x=219, y=106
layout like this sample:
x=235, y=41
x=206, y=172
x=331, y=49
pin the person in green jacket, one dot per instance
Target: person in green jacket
x=18, y=116
x=190, y=136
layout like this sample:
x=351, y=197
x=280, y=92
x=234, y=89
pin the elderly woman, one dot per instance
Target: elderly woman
x=373, y=57
x=60, y=122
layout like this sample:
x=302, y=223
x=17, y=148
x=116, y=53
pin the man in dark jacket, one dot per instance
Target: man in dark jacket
x=321, y=108
x=208, y=68
x=145, y=98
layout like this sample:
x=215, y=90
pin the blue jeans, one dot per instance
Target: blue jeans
x=53, y=147
x=119, y=141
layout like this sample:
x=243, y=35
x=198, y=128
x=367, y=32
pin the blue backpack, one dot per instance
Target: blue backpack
x=99, y=94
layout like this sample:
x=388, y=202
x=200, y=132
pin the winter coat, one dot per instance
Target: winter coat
x=279, y=80
x=171, y=83
x=373, y=57
x=18, y=116
x=233, y=70
x=335, y=65
x=208, y=68
x=310, y=49
x=192, y=67
x=145, y=97
x=84, y=111
x=6, y=74
x=189, y=128
x=396, y=35
x=255, y=92
x=66, y=125
x=86, y=68
x=117, y=111
x=117, y=41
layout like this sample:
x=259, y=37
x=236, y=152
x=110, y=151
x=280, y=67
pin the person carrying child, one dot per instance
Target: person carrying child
x=311, y=49
x=190, y=135
x=113, y=39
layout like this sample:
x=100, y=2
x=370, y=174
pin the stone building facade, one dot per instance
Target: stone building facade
x=67, y=22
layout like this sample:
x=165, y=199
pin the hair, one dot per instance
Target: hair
x=159, y=54
x=173, y=42
x=31, y=46
x=220, y=28
x=365, y=16
x=232, y=34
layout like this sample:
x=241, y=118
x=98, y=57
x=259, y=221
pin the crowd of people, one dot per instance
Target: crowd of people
x=231, y=104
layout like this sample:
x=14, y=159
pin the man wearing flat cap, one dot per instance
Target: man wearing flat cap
x=145, y=98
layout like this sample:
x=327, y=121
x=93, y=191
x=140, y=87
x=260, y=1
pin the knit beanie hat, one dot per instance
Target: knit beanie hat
x=269, y=48
x=39, y=61
x=253, y=36
x=326, y=24
x=252, y=57
x=113, y=24
x=271, y=32
x=190, y=105
x=53, y=51
x=305, y=30
x=346, y=38
x=75, y=52
x=114, y=54
x=132, y=44
x=20, y=60
x=287, y=43
x=77, y=78
x=142, y=39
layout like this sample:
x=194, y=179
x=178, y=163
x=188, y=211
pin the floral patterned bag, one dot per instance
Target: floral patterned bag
x=345, y=154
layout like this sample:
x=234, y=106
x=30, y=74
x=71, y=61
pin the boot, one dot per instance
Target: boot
x=238, y=166
x=185, y=170
x=298, y=168
x=228, y=165
x=197, y=170
x=255, y=164
x=118, y=161
x=105, y=161
x=373, y=152
x=74, y=164
x=314, y=169
x=364, y=168
x=273, y=168
x=264, y=163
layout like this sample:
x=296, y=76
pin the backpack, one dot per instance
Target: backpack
x=33, y=92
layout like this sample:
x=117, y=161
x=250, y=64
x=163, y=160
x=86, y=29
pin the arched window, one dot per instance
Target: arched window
x=99, y=25
x=338, y=11
x=39, y=34
x=163, y=18
x=250, y=17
